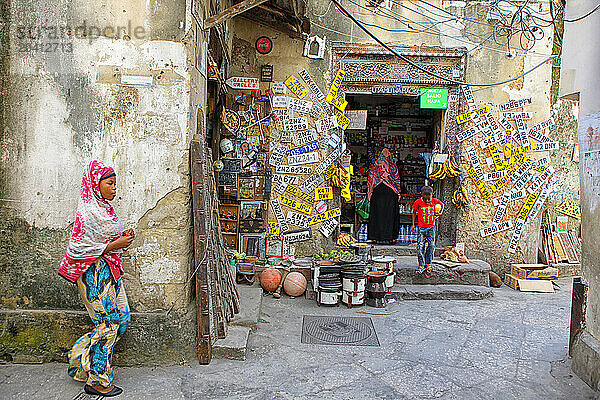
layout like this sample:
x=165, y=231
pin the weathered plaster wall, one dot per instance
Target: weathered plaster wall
x=62, y=109
x=485, y=63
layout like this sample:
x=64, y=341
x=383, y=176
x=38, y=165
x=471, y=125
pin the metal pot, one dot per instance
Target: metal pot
x=383, y=263
x=328, y=298
x=389, y=281
x=354, y=284
x=353, y=298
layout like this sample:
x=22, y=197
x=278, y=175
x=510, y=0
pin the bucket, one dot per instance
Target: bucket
x=362, y=249
x=353, y=285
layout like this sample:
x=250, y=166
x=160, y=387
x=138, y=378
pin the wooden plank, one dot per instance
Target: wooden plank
x=203, y=332
x=231, y=12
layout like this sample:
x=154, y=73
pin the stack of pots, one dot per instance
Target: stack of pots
x=353, y=284
x=328, y=292
x=385, y=264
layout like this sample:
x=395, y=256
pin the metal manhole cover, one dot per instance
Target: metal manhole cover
x=357, y=331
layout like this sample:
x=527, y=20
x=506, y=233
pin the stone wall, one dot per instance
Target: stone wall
x=62, y=108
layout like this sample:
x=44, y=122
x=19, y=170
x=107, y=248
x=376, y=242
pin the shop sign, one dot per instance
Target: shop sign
x=514, y=115
x=337, y=82
x=342, y=120
x=280, y=187
x=277, y=155
x=296, y=87
x=304, y=137
x=273, y=229
x=515, y=104
x=516, y=236
x=469, y=97
x=538, y=181
x=490, y=230
x=247, y=115
x=324, y=193
x=296, y=219
x=231, y=120
x=306, y=158
x=539, y=203
x=287, y=179
x=278, y=87
x=276, y=207
x=494, y=176
x=295, y=124
x=466, y=134
x=266, y=73
x=326, y=124
x=334, y=155
x=288, y=169
x=240, y=82
x=295, y=191
x=328, y=226
x=303, y=106
x=315, y=219
x=299, y=235
x=320, y=207
x=296, y=205
x=478, y=182
x=358, y=119
x=396, y=89
x=280, y=102
x=434, y=98
x=306, y=148
x=311, y=183
x=264, y=45
x=545, y=146
x=536, y=130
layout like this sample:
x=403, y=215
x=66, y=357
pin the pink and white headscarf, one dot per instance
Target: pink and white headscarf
x=96, y=225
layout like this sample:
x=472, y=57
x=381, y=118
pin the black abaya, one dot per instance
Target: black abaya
x=384, y=217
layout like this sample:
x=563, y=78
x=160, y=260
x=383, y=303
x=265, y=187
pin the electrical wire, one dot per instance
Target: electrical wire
x=408, y=61
x=387, y=13
x=583, y=16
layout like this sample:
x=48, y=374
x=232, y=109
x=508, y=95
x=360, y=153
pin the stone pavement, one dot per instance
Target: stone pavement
x=510, y=346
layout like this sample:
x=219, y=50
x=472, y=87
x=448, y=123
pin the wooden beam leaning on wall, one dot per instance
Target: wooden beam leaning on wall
x=231, y=12
x=204, y=340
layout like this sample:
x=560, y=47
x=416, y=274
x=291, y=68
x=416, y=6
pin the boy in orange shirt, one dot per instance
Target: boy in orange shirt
x=426, y=210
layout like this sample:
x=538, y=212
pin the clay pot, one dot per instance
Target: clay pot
x=270, y=279
x=294, y=284
x=495, y=280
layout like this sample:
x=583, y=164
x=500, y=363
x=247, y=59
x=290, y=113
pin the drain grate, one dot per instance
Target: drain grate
x=357, y=331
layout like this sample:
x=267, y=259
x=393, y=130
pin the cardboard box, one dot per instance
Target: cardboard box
x=533, y=271
x=528, y=285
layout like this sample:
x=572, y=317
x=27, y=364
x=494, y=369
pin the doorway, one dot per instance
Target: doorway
x=411, y=134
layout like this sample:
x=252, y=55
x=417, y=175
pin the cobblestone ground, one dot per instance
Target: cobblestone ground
x=512, y=346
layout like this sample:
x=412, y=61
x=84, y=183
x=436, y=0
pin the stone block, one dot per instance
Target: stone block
x=250, y=302
x=440, y=292
x=586, y=359
x=233, y=346
x=475, y=272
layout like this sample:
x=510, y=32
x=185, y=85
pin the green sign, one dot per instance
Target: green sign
x=434, y=98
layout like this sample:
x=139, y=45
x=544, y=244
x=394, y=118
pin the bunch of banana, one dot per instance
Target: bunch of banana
x=447, y=169
x=345, y=239
x=459, y=198
x=338, y=176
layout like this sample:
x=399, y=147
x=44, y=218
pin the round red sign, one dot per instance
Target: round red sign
x=264, y=45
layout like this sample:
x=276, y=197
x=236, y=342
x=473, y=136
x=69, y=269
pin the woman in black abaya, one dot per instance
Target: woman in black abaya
x=383, y=192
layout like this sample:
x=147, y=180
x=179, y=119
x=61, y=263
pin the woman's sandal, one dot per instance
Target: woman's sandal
x=114, y=392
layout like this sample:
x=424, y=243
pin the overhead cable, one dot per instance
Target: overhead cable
x=420, y=68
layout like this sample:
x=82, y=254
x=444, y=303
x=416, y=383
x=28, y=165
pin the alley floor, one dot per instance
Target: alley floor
x=511, y=346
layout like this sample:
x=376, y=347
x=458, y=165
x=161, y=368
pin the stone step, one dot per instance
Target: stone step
x=440, y=292
x=398, y=251
x=234, y=345
x=475, y=272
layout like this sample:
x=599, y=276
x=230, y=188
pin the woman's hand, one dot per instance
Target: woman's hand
x=120, y=243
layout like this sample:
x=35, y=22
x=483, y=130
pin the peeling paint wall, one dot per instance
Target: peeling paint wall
x=60, y=109
x=485, y=63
